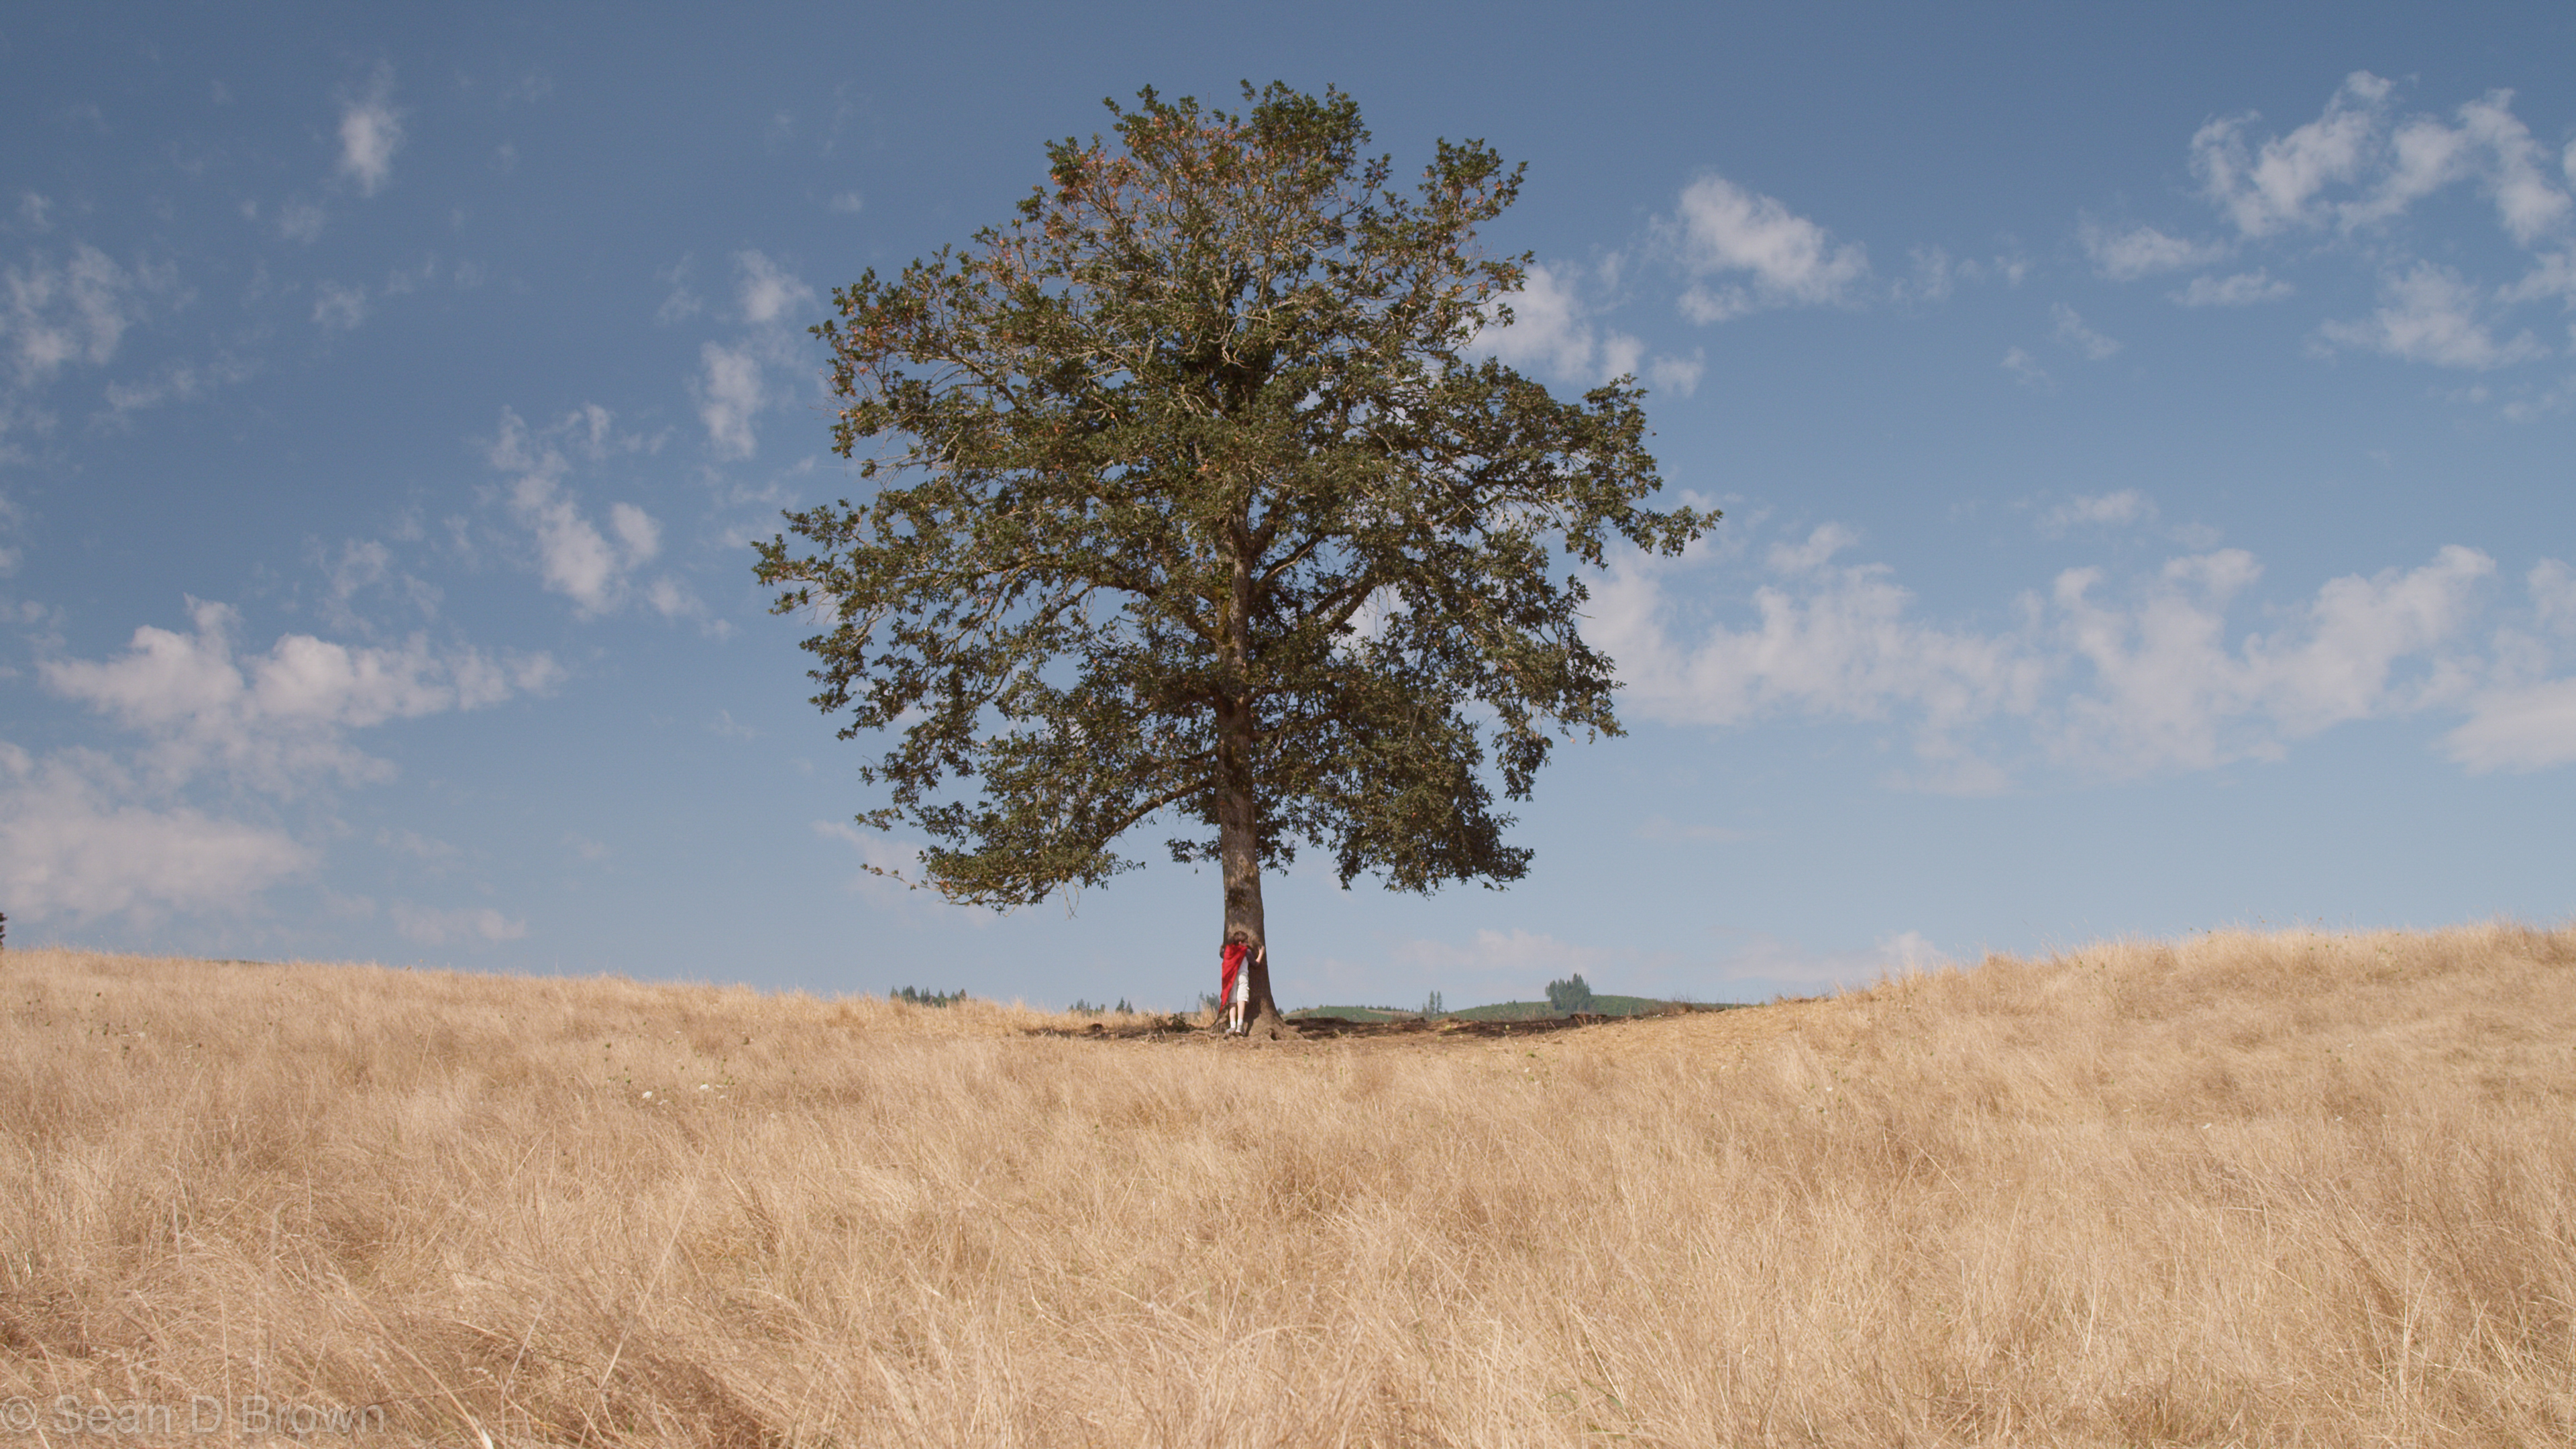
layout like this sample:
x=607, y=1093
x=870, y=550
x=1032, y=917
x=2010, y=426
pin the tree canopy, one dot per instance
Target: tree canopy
x=1194, y=501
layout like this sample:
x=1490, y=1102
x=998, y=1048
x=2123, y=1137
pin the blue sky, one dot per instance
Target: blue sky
x=2145, y=444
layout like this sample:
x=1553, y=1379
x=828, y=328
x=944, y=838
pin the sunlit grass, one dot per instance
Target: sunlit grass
x=2276, y=1189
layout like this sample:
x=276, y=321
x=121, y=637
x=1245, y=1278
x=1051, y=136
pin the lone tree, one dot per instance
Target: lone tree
x=1195, y=504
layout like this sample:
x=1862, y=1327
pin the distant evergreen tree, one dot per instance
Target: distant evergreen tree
x=1431, y=1004
x=919, y=997
x=1571, y=995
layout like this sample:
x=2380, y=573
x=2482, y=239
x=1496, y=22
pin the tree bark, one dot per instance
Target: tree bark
x=1238, y=808
x=1238, y=848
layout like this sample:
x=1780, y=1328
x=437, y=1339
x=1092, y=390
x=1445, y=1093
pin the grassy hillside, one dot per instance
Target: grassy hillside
x=2290, y=1189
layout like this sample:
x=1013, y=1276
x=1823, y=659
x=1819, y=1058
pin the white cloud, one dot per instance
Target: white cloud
x=1551, y=331
x=730, y=387
x=2025, y=368
x=1804, y=558
x=75, y=312
x=2553, y=595
x=2553, y=275
x=1760, y=966
x=277, y=720
x=365, y=564
x=2358, y=171
x=572, y=555
x=680, y=304
x=1782, y=259
x=339, y=308
x=2290, y=182
x=2428, y=314
x=2278, y=185
x=1528, y=961
x=2530, y=728
x=2107, y=510
x=2242, y=289
x=1547, y=328
x=575, y=558
x=178, y=382
x=768, y=293
x=468, y=923
x=2489, y=145
x=729, y=397
x=2072, y=331
x=301, y=221
x=1840, y=641
x=2169, y=692
x=68, y=848
x=890, y=874
x=371, y=131
x=1677, y=374
x=848, y=203
x=2109, y=684
x=2126, y=254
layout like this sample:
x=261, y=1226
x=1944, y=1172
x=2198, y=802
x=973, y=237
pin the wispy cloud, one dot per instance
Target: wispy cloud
x=578, y=555
x=73, y=842
x=767, y=292
x=1831, y=640
x=337, y=308
x=371, y=131
x=2024, y=368
x=465, y=923
x=1748, y=252
x=2168, y=691
x=2240, y=290
x=890, y=874
x=2125, y=254
x=1516, y=959
x=59, y=313
x=2428, y=313
x=1551, y=331
x=2280, y=183
x=732, y=387
x=2072, y=331
x=2106, y=510
x=730, y=396
x=278, y=720
x=2349, y=177
x=2107, y=678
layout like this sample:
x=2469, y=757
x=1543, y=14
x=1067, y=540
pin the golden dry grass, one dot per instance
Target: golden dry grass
x=2276, y=1189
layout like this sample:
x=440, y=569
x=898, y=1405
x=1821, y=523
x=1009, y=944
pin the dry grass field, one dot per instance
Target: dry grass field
x=2247, y=1189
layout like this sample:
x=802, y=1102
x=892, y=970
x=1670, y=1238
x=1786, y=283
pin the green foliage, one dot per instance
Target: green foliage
x=924, y=998
x=1570, y=995
x=1431, y=1004
x=1081, y=1007
x=1191, y=502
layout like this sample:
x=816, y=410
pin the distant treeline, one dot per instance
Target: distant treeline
x=925, y=998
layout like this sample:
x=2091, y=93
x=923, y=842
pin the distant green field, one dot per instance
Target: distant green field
x=1602, y=1003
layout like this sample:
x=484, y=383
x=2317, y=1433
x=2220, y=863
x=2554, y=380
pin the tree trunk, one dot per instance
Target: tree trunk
x=1238, y=807
x=1239, y=851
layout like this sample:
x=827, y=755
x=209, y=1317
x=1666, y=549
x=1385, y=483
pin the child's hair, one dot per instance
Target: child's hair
x=1238, y=937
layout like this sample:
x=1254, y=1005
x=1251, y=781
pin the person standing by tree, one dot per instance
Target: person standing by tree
x=1207, y=508
x=1235, y=964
